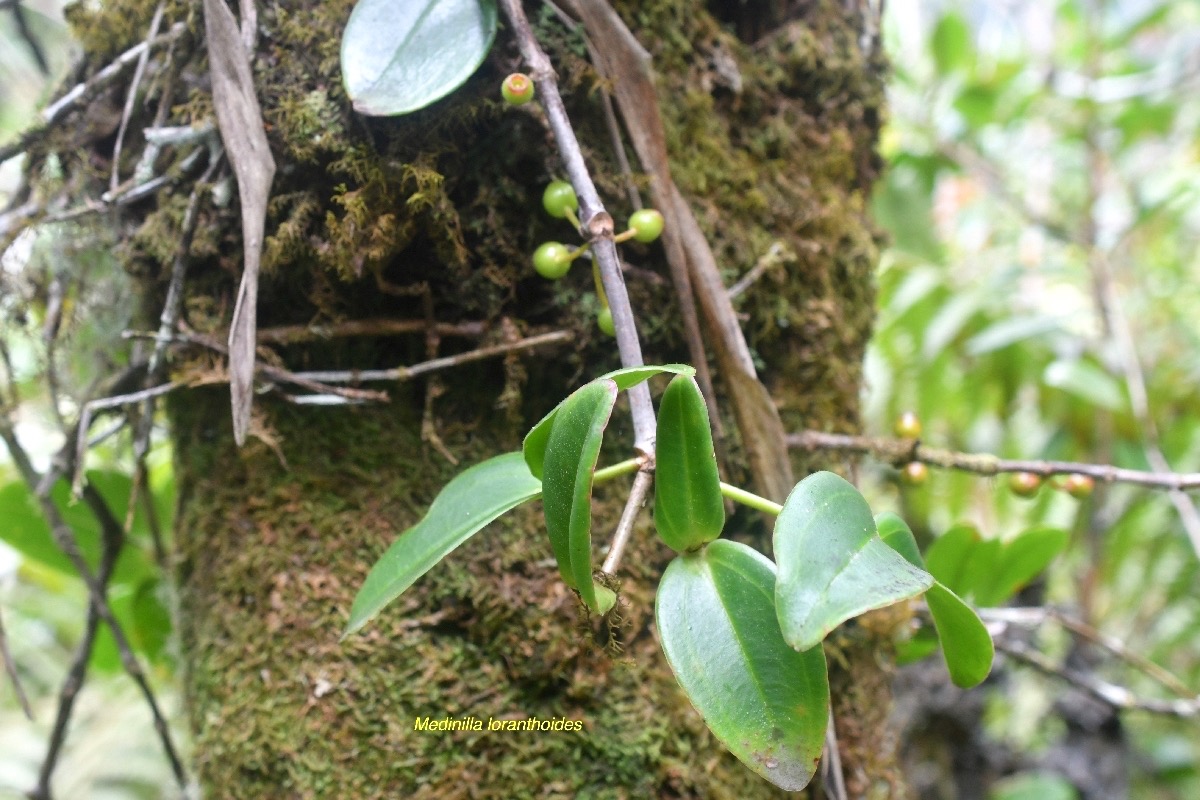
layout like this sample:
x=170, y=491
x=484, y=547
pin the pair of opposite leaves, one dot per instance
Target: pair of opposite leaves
x=740, y=634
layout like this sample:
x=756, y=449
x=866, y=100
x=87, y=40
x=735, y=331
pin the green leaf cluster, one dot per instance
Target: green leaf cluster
x=741, y=633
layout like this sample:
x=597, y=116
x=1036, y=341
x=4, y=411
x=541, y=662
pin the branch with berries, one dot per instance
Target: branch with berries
x=909, y=454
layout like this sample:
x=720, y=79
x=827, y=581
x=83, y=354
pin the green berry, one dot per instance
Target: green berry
x=552, y=260
x=647, y=224
x=908, y=426
x=558, y=198
x=517, y=89
x=1024, y=484
x=605, y=322
x=914, y=473
x=1078, y=486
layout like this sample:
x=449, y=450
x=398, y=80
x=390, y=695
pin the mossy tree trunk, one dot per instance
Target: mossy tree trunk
x=771, y=118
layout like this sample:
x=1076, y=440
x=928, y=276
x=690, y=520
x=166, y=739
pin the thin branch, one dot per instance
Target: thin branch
x=23, y=30
x=280, y=374
x=1115, y=696
x=297, y=334
x=64, y=537
x=59, y=109
x=597, y=223
x=831, y=764
x=10, y=666
x=637, y=498
x=85, y=423
x=77, y=672
x=610, y=113
x=131, y=97
x=1036, y=616
x=901, y=451
x=434, y=364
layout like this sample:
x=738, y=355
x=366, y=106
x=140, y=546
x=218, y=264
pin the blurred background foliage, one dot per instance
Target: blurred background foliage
x=1042, y=204
x=1040, y=299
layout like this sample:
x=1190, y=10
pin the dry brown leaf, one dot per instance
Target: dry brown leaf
x=239, y=119
x=693, y=266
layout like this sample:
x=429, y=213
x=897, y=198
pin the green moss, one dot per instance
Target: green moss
x=270, y=559
x=365, y=215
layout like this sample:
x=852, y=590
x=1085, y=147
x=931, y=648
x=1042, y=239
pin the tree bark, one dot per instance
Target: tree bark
x=771, y=125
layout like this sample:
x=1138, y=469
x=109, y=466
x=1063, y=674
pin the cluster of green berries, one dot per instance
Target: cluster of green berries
x=552, y=260
x=1022, y=484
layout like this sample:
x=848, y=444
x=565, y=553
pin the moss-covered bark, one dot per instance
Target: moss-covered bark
x=771, y=122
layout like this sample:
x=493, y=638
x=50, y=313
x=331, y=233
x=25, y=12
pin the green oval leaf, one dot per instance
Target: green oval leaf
x=24, y=528
x=948, y=556
x=688, y=510
x=534, y=446
x=897, y=535
x=832, y=563
x=571, y=452
x=766, y=702
x=966, y=644
x=628, y=377
x=473, y=499
x=399, y=56
x=1021, y=559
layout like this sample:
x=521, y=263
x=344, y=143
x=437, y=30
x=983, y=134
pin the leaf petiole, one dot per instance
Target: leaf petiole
x=750, y=499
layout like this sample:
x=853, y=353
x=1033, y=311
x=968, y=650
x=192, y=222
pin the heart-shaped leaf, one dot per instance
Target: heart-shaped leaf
x=401, y=55
x=766, y=702
x=688, y=509
x=832, y=563
x=966, y=645
x=534, y=446
x=466, y=504
x=570, y=461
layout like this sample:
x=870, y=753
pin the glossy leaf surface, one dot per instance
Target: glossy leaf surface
x=688, y=508
x=402, y=55
x=571, y=453
x=966, y=645
x=832, y=563
x=766, y=702
x=534, y=446
x=466, y=504
x=897, y=535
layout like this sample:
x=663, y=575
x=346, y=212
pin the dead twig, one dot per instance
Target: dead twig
x=131, y=96
x=64, y=538
x=77, y=672
x=56, y=111
x=1116, y=696
x=298, y=334
x=435, y=364
x=10, y=666
x=1036, y=616
x=633, y=506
